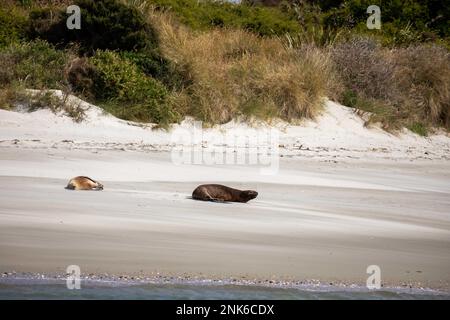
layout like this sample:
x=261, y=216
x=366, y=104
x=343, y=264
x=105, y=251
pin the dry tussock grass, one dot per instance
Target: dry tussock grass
x=422, y=74
x=236, y=73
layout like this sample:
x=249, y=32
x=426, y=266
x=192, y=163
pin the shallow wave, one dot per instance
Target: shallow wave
x=47, y=289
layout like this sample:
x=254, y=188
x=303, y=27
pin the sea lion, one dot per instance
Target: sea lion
x=84, y=183
x=220, y=193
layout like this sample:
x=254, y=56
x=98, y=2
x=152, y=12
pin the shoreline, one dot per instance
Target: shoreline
x=120, y=281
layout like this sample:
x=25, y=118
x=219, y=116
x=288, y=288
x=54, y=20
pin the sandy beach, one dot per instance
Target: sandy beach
x=321, y=221
x=325, y=217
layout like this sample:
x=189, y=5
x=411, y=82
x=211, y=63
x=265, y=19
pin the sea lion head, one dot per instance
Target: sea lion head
x=248, y=195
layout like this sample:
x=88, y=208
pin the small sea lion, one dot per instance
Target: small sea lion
x=220, y=193
x=84, y=183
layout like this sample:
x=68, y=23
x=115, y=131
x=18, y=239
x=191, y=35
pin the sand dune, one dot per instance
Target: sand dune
x=337, y=134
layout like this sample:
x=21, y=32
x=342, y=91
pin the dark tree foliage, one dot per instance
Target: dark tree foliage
x=106, y=24
x=422, y=16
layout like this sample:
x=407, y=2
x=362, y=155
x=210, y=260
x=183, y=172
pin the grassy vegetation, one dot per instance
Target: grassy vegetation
x=237, y=73
x=403, y=22
x=402, y=87
x=419, y=128
x=12, y=25
x=160, y=60
x=202, y=15
x=35, y=100
x=35, y=64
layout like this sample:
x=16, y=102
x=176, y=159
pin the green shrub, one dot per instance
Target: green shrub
x=47, y=23
x=129, y=93
x=107, y=24
x=379, y=111
x=350, y=99
x=206, y=14
x=403, y=22
x=12, y=26
x=36, y=65
x=122, y=79
x=155, y=65
x=419, y=128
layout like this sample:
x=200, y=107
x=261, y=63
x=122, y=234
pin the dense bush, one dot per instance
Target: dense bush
x=12, y=26
x=107, y=24
x=206, y=14
x=403, y=22
x=36, y=64
x=153, y=64
x=132, y=94
x=401, y=87
x=422, y=15
x=364, y=67
x=125, y=80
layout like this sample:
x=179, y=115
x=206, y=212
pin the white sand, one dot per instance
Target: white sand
x=314, y=219
x=338, y=134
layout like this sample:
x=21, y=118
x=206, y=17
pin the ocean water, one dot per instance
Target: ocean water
x=96, y=290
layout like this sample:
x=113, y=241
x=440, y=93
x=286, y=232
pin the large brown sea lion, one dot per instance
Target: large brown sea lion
x=84, y=183
x=220, y=193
